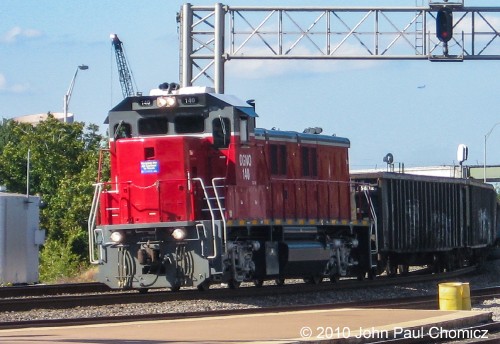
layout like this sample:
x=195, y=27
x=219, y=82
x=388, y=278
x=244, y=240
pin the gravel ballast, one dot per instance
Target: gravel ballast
x=488, y=276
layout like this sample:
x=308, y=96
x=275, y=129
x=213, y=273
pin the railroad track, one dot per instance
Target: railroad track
x=52, y=289
x=100, y=297
x=67, y=302
x=420, y=302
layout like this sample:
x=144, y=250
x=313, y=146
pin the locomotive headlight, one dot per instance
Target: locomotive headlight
x=117, y=237
x=166, y=102
x=179, y=234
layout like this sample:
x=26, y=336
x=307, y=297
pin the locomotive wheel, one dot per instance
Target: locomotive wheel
x=175, y=287
x=279, y=282
x=233, y=284
x=204, y=286
x=258, y=282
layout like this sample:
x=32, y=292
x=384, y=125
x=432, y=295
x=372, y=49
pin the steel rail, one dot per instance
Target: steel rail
x=65, y=302
x=420, y=302
x=52, y=289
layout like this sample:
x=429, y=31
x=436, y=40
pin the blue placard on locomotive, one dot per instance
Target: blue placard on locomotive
x=150, y=166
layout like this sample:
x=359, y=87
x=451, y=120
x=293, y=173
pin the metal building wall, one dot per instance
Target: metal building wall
x=20, y=238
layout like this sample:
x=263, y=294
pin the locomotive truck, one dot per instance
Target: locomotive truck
x=197, y=195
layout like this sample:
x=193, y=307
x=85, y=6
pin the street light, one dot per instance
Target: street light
x=486, y=138
x=67, y=96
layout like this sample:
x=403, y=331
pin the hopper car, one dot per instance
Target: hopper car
x=423, y=220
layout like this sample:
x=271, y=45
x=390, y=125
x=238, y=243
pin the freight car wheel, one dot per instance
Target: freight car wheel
x=258, y=283
x=391, y=269
x=313, y=279
x=403, y=269
x=334, y=278
x=372, y=274
x=233, y=284
x=279, y=282
x=143, y=290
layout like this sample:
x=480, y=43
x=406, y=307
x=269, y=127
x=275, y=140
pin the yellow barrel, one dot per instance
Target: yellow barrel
x=450, y=296
x=466, y=305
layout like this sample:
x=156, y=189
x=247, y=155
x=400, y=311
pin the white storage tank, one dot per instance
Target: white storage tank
x=20, y=238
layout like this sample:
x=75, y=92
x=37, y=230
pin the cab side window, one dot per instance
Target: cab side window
x=221, y=130
x=243, y=130
x=278, y=159
x=309, y=162
x=122, y=130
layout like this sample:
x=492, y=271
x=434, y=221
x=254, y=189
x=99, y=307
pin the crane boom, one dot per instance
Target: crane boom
x=123, y=69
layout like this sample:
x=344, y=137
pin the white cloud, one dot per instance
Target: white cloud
x=17, y=33
x=482, y=23
x=19, y=88
x=5, y=87
x=259, y=68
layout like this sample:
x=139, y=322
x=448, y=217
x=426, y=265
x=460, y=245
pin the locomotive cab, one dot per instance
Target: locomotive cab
x=164, y=150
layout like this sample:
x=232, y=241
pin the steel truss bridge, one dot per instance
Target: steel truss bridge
x=210, y=36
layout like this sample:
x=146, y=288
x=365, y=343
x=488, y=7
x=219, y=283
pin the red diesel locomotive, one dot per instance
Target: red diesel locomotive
x=198, y=195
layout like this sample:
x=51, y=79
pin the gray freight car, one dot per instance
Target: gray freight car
x=422, y=220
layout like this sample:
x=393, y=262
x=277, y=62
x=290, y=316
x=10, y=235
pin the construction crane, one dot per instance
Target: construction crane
x=123, y=69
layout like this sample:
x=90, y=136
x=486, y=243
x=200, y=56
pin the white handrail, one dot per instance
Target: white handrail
x=91, y=223
x=211, y=215
x=374, y=217
x=224, y=227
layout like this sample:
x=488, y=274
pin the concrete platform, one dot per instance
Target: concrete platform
x=337, y=326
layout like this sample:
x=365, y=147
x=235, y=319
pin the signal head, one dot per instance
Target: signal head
x=444, y=25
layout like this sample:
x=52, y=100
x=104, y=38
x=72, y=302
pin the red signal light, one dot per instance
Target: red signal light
x=444, y=25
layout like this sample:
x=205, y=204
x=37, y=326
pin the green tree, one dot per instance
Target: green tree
x=63, y=167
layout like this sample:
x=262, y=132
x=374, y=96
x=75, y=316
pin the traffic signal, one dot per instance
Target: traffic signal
x=444, y=25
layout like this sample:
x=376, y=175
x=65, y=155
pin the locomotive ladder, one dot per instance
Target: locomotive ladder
x=215, y=207
x=92, y=230
x=374, y=225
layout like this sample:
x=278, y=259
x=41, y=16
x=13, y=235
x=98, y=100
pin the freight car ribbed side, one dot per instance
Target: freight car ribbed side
x=482, y=216
x=431, y=214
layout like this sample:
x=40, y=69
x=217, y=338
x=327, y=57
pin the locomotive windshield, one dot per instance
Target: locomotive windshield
x=153, y=126
x=135, y=124
x=189, y=124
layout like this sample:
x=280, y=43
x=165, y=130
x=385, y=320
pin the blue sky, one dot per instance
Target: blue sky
x=379, y=106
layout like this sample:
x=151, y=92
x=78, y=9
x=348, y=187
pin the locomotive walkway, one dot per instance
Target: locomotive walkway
x=319, y=326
